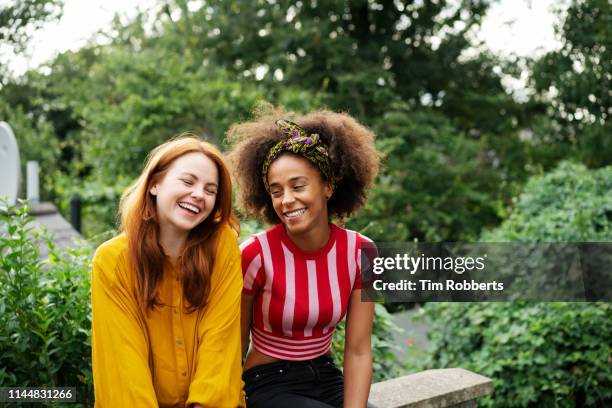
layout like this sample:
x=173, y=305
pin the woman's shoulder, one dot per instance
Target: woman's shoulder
x=253, y=241
x=110, y=261
x=111, y=251
x=227, y=232
x=359, y=237
x=226, y=240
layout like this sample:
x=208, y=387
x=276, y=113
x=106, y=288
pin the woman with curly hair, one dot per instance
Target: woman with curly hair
x=166, y=291
x=302, y=276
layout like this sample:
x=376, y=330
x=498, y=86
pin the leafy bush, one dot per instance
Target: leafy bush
x=45, y=315
x=538, y=354
x=571, y=203
x=384, y=364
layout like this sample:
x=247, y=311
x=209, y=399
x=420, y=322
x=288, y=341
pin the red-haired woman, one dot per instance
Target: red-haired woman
x=166, y=291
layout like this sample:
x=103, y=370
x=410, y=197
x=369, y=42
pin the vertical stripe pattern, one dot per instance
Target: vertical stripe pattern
x=335, y=290
x=269, y=278
x=289, y=292
x=313, y=298
x=299, y=297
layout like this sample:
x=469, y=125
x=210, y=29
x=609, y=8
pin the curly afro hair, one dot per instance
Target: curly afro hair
x=355, y=160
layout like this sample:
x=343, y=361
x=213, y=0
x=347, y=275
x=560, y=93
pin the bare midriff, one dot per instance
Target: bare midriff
x=255, y=358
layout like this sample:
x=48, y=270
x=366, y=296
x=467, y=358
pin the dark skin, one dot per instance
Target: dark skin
x=299, y=196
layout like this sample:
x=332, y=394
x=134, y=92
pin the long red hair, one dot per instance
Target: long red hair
x=138, y=220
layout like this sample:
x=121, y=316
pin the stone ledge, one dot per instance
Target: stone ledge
x=46, y=216
x=34, y=209
x=42, y=208
x=439, y=388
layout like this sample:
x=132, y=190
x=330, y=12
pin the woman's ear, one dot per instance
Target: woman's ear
x=327, y=190
x=153, y=190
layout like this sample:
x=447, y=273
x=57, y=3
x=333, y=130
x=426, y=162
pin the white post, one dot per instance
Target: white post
x=33, y=194
x=9, y=164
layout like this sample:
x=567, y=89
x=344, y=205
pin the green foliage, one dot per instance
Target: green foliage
x=569, y=204
x=384, y=364
x=45, y=315
x=456, y=147
x=362, y=54
x=99, y=205
x=449, y=129
x=104, y=108
x=576, y=79
x=128, y=102
x=140, y=117
x=448, y=121
x=538, y=354
x=438, y=183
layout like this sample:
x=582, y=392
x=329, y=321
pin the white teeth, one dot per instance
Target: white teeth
x=295, y=213
x=189, y=207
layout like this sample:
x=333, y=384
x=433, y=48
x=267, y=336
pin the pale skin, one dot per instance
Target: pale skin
x=295, y=184
x=192, y=179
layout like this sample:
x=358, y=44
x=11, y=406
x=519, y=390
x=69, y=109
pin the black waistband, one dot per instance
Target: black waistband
x=323, y=360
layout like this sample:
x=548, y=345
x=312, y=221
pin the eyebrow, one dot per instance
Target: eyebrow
x=196, y=177
x=290, y=180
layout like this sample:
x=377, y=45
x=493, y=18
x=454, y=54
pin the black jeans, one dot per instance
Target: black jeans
x=316, y=383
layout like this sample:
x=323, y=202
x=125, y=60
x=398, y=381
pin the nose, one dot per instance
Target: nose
x=197, y=194
x=288, y=198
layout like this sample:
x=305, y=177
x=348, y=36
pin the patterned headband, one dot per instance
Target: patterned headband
x=298, y=142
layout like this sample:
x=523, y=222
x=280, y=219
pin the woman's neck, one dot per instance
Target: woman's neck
x=172, y=241
x=312, y=240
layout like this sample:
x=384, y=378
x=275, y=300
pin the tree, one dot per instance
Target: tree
x=575, y=81
x=19, y=18
x=437, y=183
x=364, y=55
x=368, y=58
x=450, y=132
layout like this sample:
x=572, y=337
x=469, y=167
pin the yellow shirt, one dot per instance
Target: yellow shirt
x=165, y=357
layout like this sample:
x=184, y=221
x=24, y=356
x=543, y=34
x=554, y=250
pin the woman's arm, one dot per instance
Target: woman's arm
x=217, y=381
x=120, y=346
x=245, y=326
x=246, y=316
x=358, y=352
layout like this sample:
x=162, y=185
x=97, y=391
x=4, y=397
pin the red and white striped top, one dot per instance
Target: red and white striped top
x=299, y=297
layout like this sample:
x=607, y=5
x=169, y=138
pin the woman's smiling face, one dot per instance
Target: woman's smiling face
x=186, y=194
x=299, y=194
